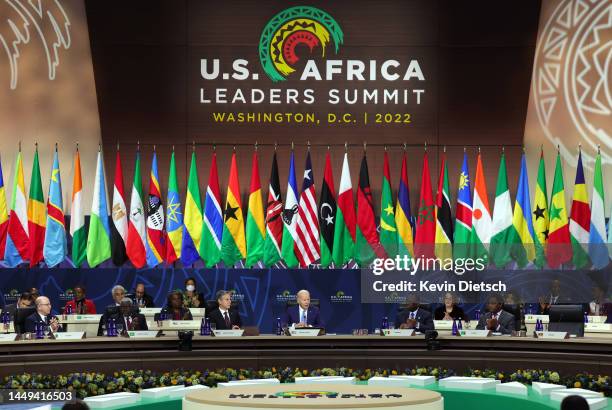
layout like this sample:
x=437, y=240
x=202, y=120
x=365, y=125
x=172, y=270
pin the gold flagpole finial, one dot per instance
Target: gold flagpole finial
x=255, y=146
x=292, y=145
x=308, y=145
x=345, y=146
x=275, y=145
x=405, y=146
x=364, y=146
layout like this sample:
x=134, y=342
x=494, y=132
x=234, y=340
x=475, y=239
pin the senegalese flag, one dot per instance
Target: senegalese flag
x=155, y=219
x=481, y=216
x=212, y=228
x=522, y=248
x=174, y=217
x=77, y=216
x=388, y=229
x=37, y=214
x=463, y=214
x=580, y=219
x=503, y=230
x=98, y=239
x=327, y=213
x=274, y=220
x=598, y=250
x=137, y=230
x=444, y=221
x=3, y=216
x=56, y=247
x=17, y=241
x=255, y=224
x=290, y=215
x=558, y=249
x=403, y=215
x=344, y=231
x=233, y=243
x=540, y=214
x=192, y=231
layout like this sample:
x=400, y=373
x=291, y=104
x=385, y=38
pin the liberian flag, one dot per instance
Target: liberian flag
x=155, y=219
x=17, y=240
x=307, y=245
x=136, y=226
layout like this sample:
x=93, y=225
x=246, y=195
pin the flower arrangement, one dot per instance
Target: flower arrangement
x=92, y=383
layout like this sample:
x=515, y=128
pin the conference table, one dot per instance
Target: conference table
x=107, y=354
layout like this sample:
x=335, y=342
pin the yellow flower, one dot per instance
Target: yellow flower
x=305, y=372
x=394, y=372
x=174, y=381
x=577, y=384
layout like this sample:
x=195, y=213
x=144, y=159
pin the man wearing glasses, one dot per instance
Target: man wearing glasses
x=43, y=315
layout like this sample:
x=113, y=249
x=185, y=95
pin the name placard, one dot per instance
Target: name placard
x=87, y=318
x=474, y=333
x=398, y=332
x=305, y=331
x=149, y=311
x=8, y=337
x=181, y=324
x=142, y=334
x=552, y=335
x=534, y=318
x=197, y=311
x=69, y=335
x=228, y=332
x=598, y=327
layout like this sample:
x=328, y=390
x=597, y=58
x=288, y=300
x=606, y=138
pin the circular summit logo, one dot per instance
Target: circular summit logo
x=295, y=26
x=308, y=394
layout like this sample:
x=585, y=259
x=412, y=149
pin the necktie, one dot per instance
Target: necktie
x=304, y=317
x=412, y=315
x=228, y=323
x=129, y=323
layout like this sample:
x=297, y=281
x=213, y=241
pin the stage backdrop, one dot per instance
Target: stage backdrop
x=461, y=71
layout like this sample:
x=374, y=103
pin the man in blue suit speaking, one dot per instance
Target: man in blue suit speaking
x=302, y=314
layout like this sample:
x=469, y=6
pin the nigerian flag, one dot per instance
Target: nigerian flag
x=502, y=219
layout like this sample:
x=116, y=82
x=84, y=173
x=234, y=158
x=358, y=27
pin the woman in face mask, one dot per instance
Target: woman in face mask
x=191, y=297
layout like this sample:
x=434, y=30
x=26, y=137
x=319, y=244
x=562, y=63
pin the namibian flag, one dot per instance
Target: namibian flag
x=17, y=239
x=56, y=248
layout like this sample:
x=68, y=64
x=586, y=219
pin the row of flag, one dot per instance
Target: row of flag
x=298, y=231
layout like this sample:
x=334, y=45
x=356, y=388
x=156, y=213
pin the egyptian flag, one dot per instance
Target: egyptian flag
x=327, y=213
x=119, y=227
x=367, y=242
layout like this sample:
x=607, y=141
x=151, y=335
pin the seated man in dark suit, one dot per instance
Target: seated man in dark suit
x=222, y=316
x=141, y=298
x=25, y=300
x=43, y=315
x=303, y=314
x=496, y=319
x=129, y=318
x=414, y=317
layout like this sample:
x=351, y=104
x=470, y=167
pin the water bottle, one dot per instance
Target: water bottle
x=112, y=328
x=279, y=327
x=39, y=329
x=68, y=310
x=586, y=317
x=454, y=331
x=203, y=327
x=385, y=323
x=538, y=327
x=477, y=314
x=459, y=325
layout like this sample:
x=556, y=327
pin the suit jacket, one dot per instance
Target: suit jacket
x=313, y=316
x=138, y=322
x=423, y=318
x=88, y=308
x=506, y=322
x=147, y=299
x=217, y=318
x=33, y=319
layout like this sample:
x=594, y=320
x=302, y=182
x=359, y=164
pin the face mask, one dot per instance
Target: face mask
x=190, y=288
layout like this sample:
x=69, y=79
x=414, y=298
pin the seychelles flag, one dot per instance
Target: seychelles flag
x=56, y=247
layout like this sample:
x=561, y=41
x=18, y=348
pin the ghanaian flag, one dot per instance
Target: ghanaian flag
x=233, y=245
